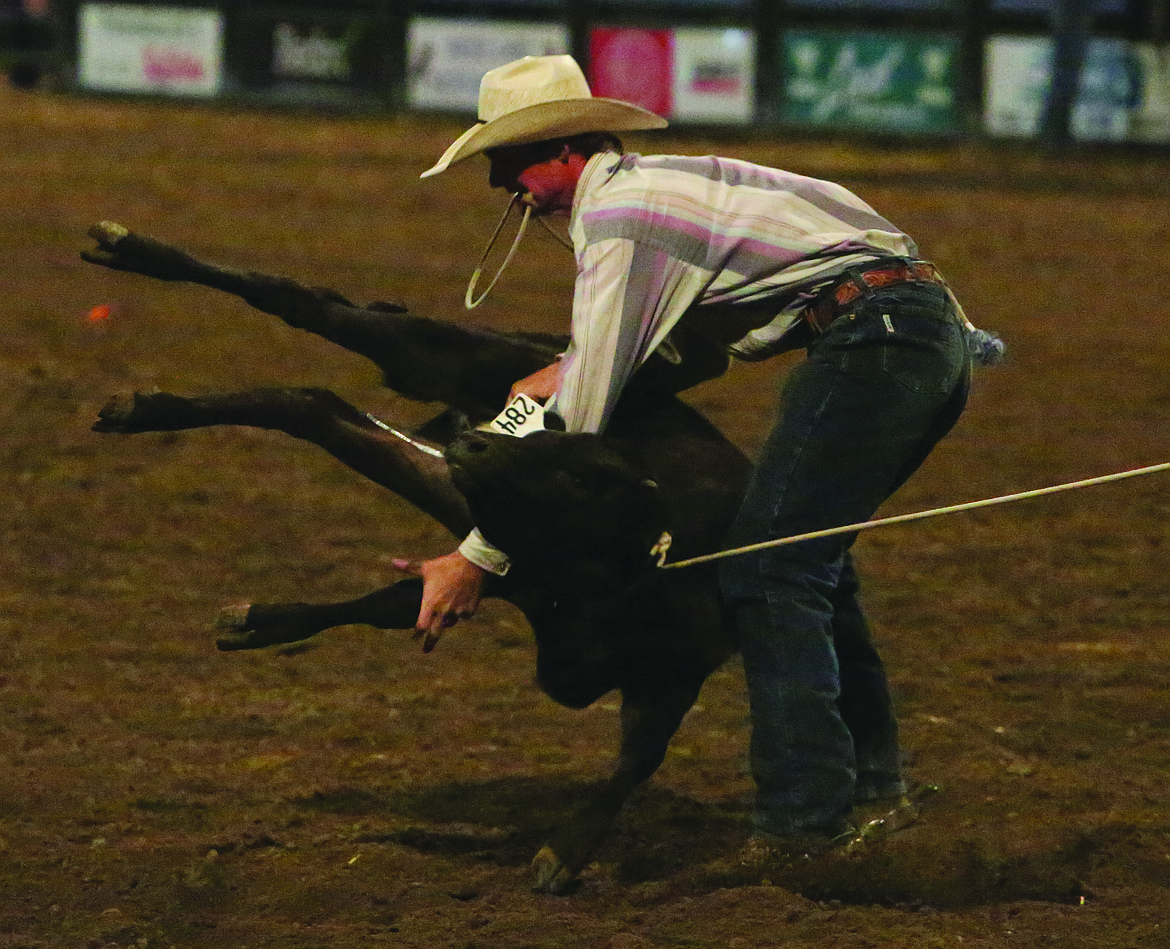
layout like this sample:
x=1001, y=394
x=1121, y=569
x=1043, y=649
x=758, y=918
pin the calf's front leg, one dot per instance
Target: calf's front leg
x=257, y=625
x=649, y=721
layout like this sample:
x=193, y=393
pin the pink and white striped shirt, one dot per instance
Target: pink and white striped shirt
x=659, y=237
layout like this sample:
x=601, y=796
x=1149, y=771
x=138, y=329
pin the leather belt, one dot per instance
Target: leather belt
x=835, y=301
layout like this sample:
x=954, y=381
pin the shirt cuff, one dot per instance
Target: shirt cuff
x=476, y=549
x=768, y=340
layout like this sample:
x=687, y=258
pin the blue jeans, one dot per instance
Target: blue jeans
x=878, y=390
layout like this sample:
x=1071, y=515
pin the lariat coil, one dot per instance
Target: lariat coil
x=469, y=299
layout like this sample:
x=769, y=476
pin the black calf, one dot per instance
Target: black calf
x=578, y=514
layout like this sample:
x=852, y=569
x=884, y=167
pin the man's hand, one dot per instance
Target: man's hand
x=452, y=586
x=539, y=386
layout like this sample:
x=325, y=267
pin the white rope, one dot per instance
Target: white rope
x=414, y=443
x=469, y=300
x=556, y=235
x=918, y=515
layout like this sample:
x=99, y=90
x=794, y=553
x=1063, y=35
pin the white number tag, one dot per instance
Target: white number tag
x=522, y=417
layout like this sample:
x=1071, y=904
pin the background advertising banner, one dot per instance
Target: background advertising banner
x=1124, y=90
x=447, y=58
x=123, y=48
x=312, y=51
x=633, y=65
x=301, y=54
x=714, y=75
x=340, y=50
x=694, y=74
x=897, y=82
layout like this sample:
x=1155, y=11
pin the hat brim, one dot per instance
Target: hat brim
x=545, y=120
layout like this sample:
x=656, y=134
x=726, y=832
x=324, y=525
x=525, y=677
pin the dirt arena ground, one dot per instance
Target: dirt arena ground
x=354, y=792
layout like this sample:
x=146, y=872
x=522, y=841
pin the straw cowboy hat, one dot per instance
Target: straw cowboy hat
x=537, y=98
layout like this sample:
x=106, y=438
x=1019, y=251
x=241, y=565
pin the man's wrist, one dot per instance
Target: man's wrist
x=483, y=555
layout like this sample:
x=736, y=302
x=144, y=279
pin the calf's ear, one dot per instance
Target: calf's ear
x=650, y=483
x=553, y=422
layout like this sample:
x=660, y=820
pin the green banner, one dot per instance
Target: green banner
x=896, y=82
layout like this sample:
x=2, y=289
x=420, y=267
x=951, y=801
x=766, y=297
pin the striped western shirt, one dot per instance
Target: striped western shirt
x=658, y=238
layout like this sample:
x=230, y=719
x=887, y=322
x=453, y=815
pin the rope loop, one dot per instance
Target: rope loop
x=469, y=300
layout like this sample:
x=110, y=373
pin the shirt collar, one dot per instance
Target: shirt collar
x=597, y=171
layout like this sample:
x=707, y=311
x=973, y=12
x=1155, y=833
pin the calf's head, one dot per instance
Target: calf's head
x=559, y=502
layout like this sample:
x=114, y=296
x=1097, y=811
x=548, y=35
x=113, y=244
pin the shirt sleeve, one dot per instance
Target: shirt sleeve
x=778, y=336
x=476, y=549
x=627, y=298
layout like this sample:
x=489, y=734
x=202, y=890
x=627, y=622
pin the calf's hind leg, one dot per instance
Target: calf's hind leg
x=388, y=458
x=425, y=359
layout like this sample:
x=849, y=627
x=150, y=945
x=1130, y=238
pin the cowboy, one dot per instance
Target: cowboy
x=761, y=261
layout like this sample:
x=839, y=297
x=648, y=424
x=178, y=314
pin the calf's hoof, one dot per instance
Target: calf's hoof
x=552, y=876
x=108, y=232
x=252, y=626
x=233, y=621
x=130, y=412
